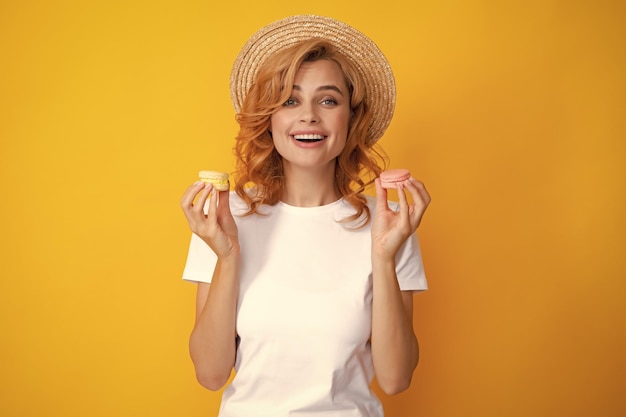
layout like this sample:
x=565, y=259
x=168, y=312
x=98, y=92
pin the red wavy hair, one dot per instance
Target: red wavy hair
x=259, y=176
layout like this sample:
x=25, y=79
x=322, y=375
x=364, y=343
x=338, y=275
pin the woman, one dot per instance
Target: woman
x=305, y=285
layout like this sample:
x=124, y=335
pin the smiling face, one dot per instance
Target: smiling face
x=311, y=128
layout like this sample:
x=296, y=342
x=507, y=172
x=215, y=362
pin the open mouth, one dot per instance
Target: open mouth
x=308, y=138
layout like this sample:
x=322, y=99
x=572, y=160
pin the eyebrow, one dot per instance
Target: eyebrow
x=322, y=88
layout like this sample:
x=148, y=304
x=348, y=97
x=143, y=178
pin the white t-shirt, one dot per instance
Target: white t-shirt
x=304, y=313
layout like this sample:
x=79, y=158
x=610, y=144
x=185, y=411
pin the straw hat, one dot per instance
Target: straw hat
x=367, y=57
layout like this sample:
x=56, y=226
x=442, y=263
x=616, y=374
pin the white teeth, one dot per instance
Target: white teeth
x=309, y=137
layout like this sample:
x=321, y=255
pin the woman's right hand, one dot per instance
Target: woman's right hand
x=215, y=225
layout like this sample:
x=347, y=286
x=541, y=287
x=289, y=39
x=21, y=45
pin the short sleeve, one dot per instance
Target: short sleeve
x=409, y=266
x=201, y=261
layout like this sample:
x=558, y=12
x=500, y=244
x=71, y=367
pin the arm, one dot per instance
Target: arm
x=212, y=341
x=395, y=350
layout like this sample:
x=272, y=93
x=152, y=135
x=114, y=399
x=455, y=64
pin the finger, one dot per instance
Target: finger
x=190, y=194
x=421, y=199
x=223, y=207
x=192, y=205
x=203, y=214
x=381, y=196
x=211, y=205
x=418, y=191
x=404, y=204
x=199, y=206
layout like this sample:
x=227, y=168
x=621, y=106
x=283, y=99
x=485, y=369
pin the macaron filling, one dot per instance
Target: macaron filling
x=218, y=179
x=391, y=178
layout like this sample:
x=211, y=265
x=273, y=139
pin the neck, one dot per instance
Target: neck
x=309, y=188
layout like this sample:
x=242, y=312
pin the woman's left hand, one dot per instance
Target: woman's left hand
x=390, y=229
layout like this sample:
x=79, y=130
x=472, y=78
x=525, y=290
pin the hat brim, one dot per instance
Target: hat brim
x=369, y=60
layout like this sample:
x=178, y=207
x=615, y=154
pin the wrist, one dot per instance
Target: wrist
x=383, y=261
x=230, y=259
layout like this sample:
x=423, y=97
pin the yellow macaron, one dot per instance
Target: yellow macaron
x=217, y=178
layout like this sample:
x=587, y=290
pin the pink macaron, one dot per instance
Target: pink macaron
x=392, y=177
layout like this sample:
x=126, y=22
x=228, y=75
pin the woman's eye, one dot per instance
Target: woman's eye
x=289, y=102
x=329, y=101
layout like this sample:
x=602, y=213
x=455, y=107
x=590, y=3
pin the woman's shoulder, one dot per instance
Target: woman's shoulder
x=238, y=206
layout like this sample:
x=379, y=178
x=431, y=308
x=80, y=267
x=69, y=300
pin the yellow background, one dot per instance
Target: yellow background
x=512, y=112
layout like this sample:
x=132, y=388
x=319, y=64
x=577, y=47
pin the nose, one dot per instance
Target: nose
x=308, y=114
